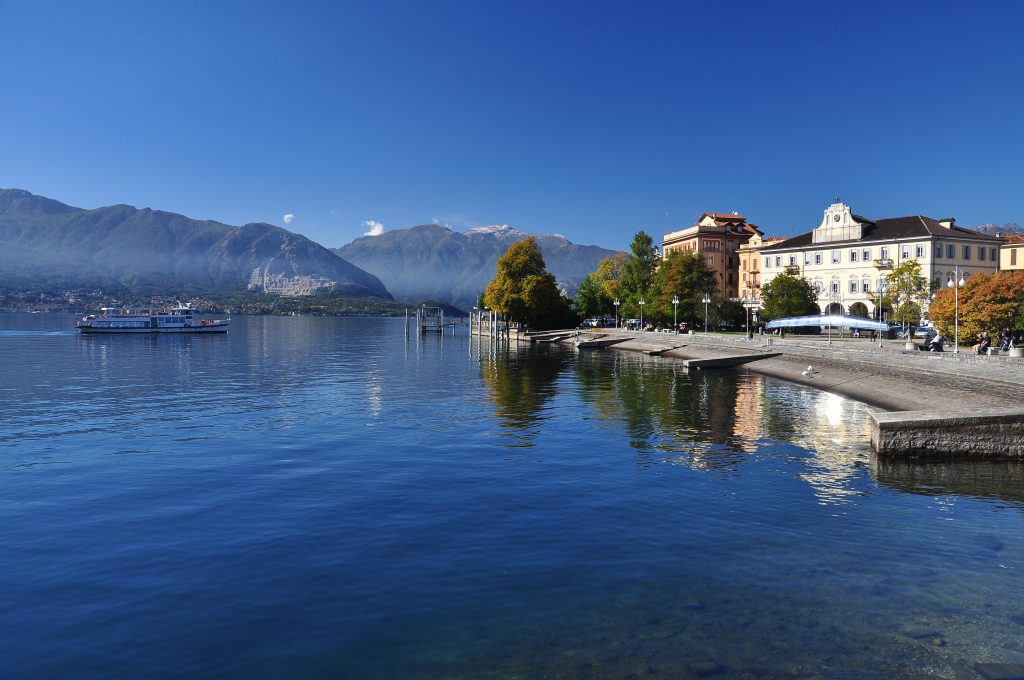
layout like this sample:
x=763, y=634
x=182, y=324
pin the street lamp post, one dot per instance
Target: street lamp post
x=955, y=285
x=706, y=301
x=675, y=310
x=832, y=299
x=749, y=302
x=616, y=303
x=883, y=288
x=641, y=313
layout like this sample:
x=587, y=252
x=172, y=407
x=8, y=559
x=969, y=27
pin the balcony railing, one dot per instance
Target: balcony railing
x=884, y=263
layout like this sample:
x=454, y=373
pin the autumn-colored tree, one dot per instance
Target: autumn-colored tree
x=523, y=290
x=609, y=274
x=988, y=302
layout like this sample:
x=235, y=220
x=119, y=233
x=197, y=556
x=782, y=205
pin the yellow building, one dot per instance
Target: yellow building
x=750, y=264
x=718, y=236
x=847, y=257
x=1011, y=252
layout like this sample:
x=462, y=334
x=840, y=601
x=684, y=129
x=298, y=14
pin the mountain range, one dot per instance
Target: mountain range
x=436, y=263
x=1006, y=229
x=45, y=242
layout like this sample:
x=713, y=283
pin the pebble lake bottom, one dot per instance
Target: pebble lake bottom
x=325, y=497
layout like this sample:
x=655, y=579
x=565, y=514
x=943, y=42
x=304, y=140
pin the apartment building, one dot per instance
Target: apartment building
x=717, y=236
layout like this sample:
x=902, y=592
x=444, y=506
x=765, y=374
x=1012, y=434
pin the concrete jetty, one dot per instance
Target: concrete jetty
x=987, y=433
x=928, y=404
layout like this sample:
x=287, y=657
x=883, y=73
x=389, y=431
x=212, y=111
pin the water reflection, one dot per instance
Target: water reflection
x=668, y=412
x=520, y=382
x=712, y=420
x=983, y=478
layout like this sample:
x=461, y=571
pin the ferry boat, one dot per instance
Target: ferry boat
x=180, y=319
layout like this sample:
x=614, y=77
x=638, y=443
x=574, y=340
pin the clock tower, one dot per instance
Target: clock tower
x=837, y=224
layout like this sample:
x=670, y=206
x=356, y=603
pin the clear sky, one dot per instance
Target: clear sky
x=590, y=119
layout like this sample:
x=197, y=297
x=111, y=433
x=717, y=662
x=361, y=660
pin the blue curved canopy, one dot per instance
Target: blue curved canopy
x=835, y=320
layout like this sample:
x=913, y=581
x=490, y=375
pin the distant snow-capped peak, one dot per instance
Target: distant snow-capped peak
x=505, y=231
x=497, y=230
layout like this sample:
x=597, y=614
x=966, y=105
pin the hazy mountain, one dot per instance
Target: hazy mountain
x=1008, y=228
x=433, y=262
x=44, y=242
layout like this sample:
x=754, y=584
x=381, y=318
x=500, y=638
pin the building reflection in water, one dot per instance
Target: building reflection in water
x=719, y=420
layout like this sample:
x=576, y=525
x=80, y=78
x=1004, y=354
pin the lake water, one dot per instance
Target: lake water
x=320, y=497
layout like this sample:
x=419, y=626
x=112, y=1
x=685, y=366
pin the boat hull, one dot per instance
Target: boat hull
x=211, y=328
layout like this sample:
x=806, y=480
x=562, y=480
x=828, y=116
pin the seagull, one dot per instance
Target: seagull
x=809, y=371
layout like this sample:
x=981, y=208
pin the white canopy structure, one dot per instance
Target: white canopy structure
x=834, y=320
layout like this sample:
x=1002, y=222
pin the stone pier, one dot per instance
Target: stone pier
x=986, y=433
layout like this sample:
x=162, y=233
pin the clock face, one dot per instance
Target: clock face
x=835, y=218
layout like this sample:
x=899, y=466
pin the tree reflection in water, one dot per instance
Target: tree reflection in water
x=520, y=382
x=668, y=412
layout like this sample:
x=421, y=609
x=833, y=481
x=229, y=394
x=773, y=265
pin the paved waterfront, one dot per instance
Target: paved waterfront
x=888, y=377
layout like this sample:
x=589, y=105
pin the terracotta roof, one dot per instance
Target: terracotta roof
x=1014, y=238
x=891, y=228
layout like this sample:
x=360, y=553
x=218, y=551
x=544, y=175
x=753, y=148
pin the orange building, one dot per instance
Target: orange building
x=719, y=237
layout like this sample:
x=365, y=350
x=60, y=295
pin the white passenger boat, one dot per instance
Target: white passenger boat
x=180, y=319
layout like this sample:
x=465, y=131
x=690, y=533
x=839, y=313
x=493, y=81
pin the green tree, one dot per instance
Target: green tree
x=908, y=289
x=523, y=290
x=684, y=274
x=638, y=274
x=788, y=295
x=589, y=297
x=859, y=309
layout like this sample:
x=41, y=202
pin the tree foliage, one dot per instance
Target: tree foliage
x=638, y=273
x=589, y=297
x=609, y=275
x=988, y=302
x=907, y=291
x=788, y=295
x=523, y=290
x=685, y=275
x=859, y=309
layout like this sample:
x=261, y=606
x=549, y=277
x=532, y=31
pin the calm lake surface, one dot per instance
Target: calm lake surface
x=320, y=497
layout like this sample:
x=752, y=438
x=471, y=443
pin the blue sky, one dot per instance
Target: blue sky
x=590, y=119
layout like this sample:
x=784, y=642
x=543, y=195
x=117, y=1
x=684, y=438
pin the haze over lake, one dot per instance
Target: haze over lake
x=327, y=497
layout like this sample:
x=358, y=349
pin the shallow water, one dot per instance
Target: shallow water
x=318, y=497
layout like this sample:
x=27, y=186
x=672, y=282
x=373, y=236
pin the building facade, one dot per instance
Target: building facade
x=750, y=265
x=847, y=257
x=718, y=237
x=1011, y=252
